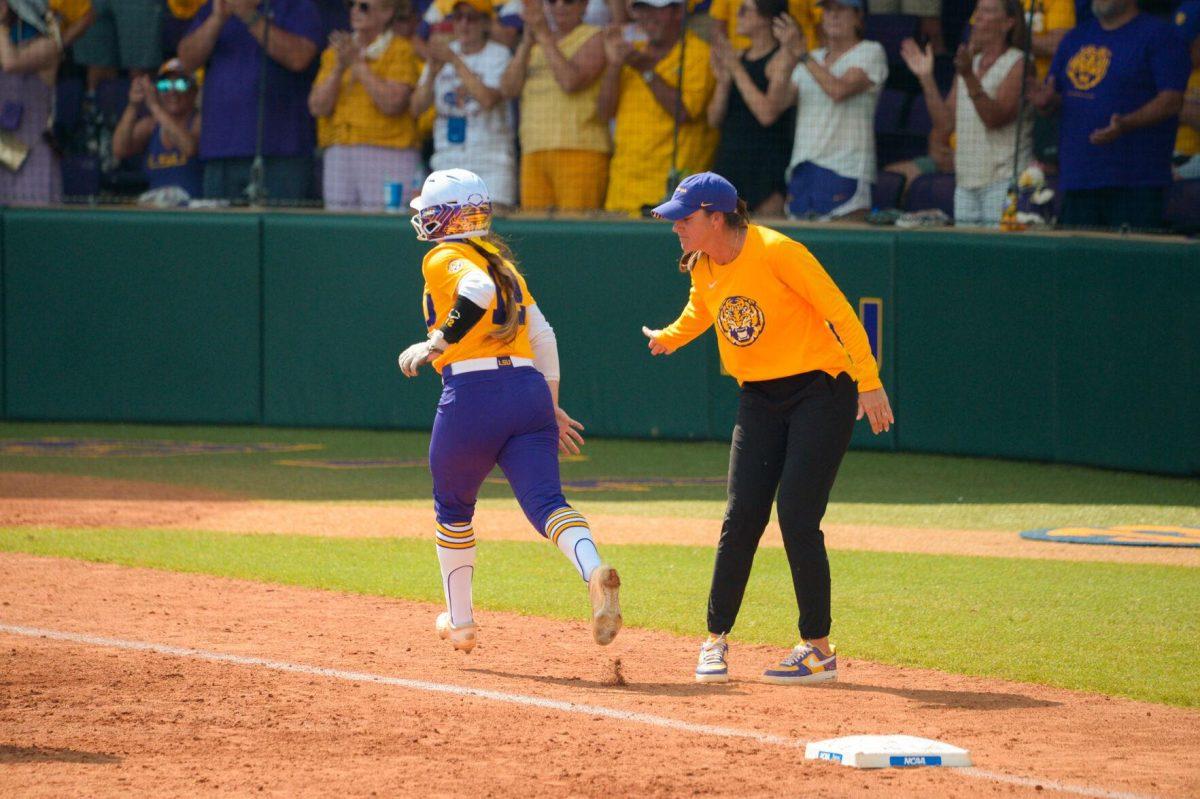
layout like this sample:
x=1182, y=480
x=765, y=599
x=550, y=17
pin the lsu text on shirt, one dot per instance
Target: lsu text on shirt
x=773, y=307
x=443, y=267
x=1100, y=73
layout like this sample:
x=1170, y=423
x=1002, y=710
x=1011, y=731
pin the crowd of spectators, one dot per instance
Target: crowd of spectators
x=602, y=105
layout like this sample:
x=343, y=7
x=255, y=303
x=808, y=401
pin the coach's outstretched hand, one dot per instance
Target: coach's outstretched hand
x=875, y=405
x=655, y=347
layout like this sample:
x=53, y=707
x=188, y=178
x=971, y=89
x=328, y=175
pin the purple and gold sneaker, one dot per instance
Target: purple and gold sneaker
x=711, y=666
x=805, y=664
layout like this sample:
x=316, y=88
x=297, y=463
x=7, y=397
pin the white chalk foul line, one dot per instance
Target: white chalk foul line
x=415, y=685
x=521, y=699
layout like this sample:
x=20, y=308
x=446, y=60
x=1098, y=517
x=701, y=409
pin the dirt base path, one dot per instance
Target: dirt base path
x=97, y=718
x=64, y=501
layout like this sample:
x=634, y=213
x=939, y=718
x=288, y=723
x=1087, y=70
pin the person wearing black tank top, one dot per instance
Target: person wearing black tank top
x=756, y=138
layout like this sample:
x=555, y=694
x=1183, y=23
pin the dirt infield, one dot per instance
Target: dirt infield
x=97, y=718
x=348, y=694
x=65, y=501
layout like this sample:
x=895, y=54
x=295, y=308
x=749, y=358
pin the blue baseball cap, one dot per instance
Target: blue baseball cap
x=1187, y=21
x=706, y=190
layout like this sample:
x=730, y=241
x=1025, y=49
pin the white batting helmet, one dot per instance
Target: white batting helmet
x=453, y=204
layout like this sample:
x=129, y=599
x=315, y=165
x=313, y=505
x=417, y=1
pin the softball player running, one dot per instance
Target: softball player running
x=804, y=364
x=498, y=358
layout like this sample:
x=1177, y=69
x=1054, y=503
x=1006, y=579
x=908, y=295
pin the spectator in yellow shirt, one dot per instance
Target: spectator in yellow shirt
x=363, y=89
x=74, y=16
x=1187, y=140
x=805, y=367
x=555, y=73
x=640, y=89
x=1050, y=22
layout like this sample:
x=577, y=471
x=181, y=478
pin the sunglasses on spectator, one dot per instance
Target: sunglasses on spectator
x=363, y=7
x=167, y=85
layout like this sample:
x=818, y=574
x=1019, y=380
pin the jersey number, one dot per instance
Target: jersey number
x=430, y=313
x=499, y=317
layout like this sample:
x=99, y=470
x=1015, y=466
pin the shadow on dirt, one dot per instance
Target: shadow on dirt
x=964, y=700
x=41, y=754
x=617, y=686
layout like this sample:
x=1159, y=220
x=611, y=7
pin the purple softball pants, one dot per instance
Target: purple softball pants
x=502, y=417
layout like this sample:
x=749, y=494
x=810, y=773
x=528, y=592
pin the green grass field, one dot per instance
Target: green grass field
x=1074, y=625
x=873, y=488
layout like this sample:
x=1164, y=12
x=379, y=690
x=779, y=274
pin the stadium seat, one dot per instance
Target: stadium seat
x=899, y=141
x=111, y=98
x=931, y=191
x=1182, y=211
x=890, y=30
x=889, y=111
x=81, y=177
x=918, y=121
x=68, y=108
x=886, y=192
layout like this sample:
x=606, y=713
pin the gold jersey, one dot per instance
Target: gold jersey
x=444, y=267
x=776, y=312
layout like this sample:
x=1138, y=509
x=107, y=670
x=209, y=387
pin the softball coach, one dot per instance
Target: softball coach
x=804, y=365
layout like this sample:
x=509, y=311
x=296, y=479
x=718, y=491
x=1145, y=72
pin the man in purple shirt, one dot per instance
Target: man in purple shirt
x=227, y=38
x=1118, y=80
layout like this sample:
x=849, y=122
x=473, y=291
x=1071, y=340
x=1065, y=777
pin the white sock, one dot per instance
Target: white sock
x=456, y=556
x=569, y=531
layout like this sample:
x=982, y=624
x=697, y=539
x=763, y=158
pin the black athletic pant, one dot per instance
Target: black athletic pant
x=791, y=434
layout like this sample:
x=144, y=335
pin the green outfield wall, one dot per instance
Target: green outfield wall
x=1052, y=347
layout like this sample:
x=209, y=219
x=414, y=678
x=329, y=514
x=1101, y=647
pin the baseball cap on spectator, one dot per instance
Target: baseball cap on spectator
x=1187, y=21
x=482, y=6
x=704, y=190
x=174, y=68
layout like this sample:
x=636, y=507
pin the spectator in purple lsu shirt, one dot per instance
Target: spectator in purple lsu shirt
x=1118, y=80
x=227, y=38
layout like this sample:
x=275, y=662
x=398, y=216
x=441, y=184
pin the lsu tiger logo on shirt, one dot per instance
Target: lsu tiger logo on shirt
x=1088, y=67
x=741, y=321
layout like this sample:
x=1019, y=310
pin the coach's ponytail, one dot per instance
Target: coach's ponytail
x=739, y=217
x=502, y=268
